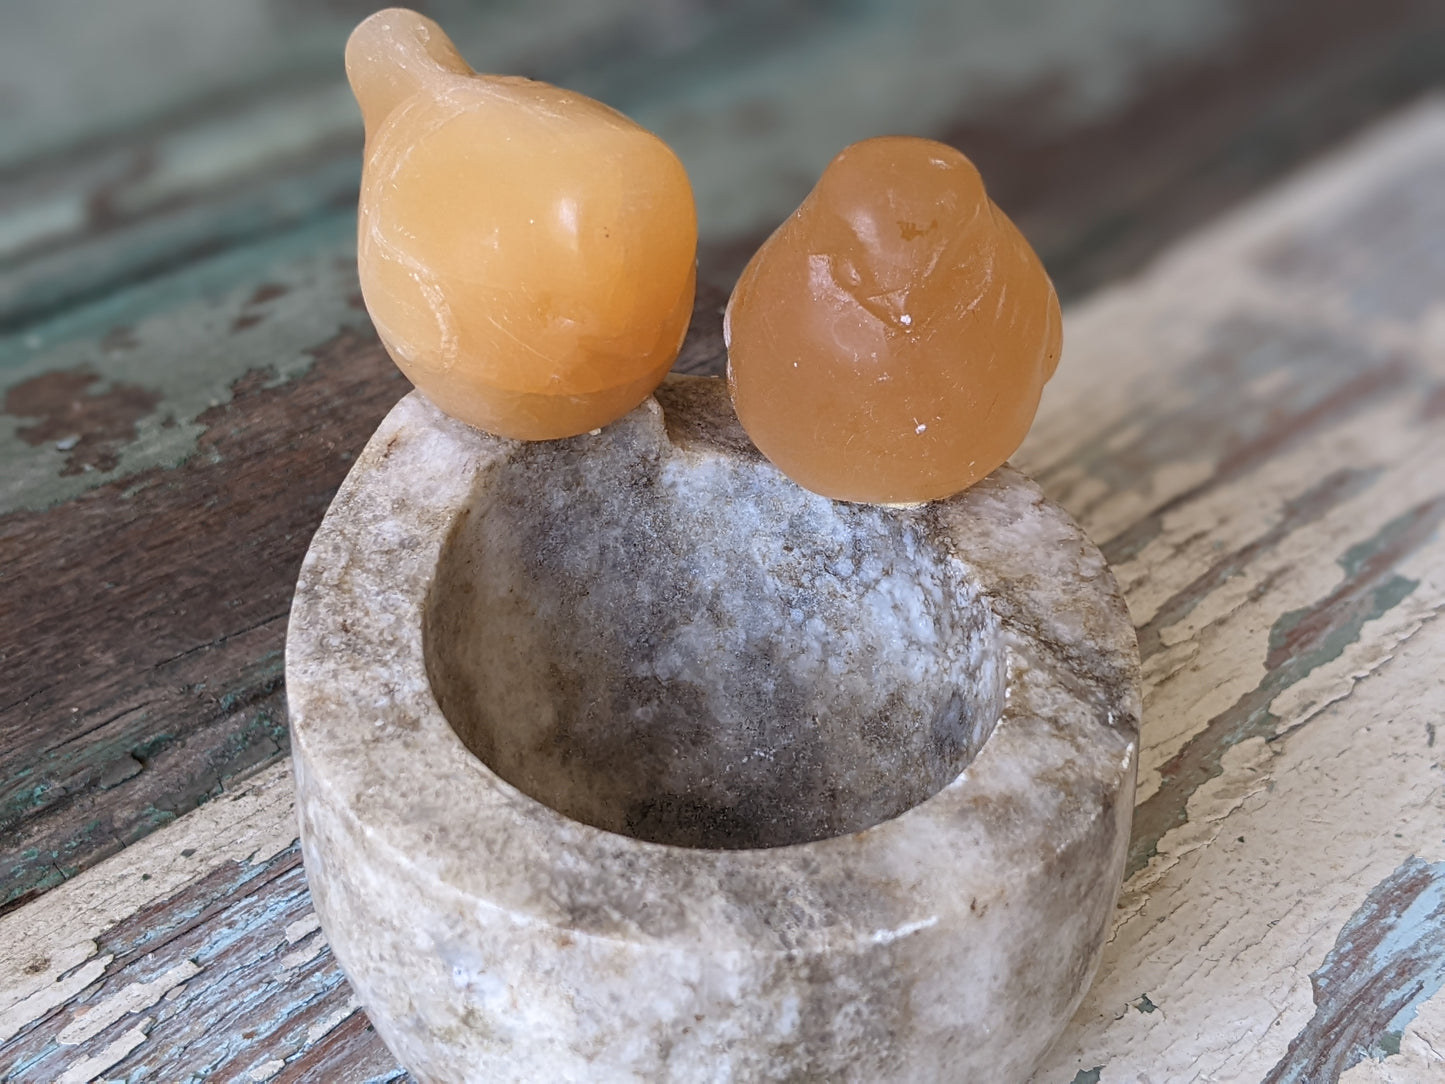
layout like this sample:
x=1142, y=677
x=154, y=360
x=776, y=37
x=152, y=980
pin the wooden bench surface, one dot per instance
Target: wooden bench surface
x=1253, y=428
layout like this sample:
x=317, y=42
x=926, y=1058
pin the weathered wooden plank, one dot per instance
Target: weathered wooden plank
x=109, y=397
x=280, y=146
x=1205, y=129
x=165, y=598
x=217, y=971
x=1086, y=172
x=81, y=74
x=756, y=97
x=125, y=416
x=1276, y=525
x=1249, y=432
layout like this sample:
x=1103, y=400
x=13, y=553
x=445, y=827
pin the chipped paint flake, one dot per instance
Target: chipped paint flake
x=92, y=1066
x=61, y=989
x=304, y=955
x=323, y=1027
x=134, y=997
x=302, y=928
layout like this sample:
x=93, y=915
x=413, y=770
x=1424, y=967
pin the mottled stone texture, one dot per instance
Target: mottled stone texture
x=682, y=646
x=738, y=784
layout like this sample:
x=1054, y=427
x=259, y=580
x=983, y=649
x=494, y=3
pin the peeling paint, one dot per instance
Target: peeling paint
x=93, y=1065
x=1300, y=641
x=1388, y=959
x=180, y=325
x=1291, y=614
x=132, y=999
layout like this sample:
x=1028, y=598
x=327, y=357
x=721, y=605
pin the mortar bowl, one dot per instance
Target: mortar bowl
x=623, y=758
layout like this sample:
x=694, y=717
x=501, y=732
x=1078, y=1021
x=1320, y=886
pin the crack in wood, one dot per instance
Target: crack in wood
x=1388, y=958
x=1300, y=642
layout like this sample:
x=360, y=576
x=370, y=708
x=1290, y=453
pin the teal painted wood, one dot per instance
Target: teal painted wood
x=1386, y=962
x=185, y=373
x=183, y=339
x=1253, y=433
x=164, y=596
x=230, y=976
x=756, y=97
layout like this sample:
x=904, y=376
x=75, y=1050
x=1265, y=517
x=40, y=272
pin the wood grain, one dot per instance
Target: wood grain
x=1205, y=130
x=1370, y=985
x=1280, y=546
x=164, y=600
x=210, y=965
x=1247, y=430
x=1252, y=430
x=162, y=387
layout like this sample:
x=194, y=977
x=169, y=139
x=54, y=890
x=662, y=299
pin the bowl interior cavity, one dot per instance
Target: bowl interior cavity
x=678, y=644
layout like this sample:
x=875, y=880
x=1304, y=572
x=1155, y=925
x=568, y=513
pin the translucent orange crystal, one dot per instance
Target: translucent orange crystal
x=889, y=342
x=526, y=253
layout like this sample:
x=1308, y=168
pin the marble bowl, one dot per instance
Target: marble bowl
x=625, y=759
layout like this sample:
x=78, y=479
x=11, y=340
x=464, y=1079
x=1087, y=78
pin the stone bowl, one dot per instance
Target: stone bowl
x=623, y=758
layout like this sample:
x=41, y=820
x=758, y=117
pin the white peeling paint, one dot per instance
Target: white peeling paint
x=1342, y=782
x=304, y=955
x=88, y=1068
x=134, y=997
x=322, y=1027
x=58, y=931
x=57, y=992
x=302, y=927
x=266, y=1070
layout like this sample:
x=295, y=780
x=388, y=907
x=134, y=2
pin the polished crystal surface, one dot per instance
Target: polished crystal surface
x=890, y=341
x=526, y=253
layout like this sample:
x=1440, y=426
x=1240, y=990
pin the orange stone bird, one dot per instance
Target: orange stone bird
x=890, y=341
x=527, y=254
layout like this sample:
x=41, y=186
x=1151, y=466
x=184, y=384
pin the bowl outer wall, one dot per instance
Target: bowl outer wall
x=491, y=938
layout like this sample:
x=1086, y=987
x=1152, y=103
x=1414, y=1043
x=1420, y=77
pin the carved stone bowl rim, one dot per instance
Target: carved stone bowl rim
x=370, y=742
